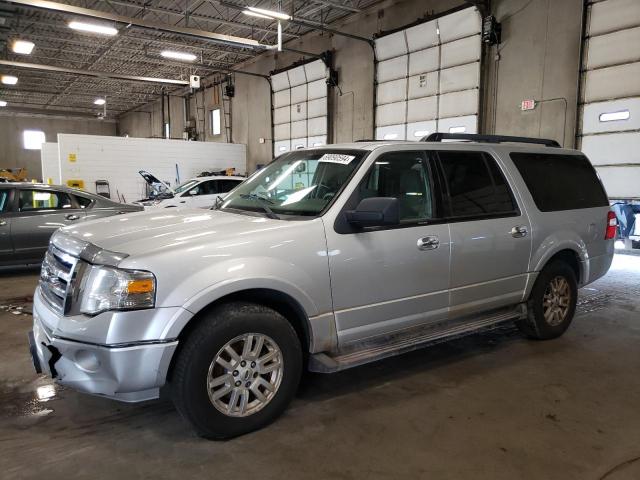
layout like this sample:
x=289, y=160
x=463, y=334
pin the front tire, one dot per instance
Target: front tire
x=237, y=370
x=552, y=303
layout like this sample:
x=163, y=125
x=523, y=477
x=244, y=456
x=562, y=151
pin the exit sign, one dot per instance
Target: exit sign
x=528, y=105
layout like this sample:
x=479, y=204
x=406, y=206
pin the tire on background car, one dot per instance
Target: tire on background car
x=552, y=302
x=237, y=370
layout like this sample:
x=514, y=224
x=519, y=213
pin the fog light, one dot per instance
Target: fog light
x=87, y=361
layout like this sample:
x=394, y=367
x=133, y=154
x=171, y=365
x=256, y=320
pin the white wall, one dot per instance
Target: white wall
x=118, y=161
x=50, y=163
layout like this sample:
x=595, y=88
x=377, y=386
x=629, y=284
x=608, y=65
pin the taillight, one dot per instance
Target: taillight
x=612, y=223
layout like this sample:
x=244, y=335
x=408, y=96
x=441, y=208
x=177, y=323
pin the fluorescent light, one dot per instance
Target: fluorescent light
x=3, y=103
x=93, y=28
x=258, y=15
x=99, y=101
x=613, y=116
x=23, y=47
x=421, y=133
x=390, y=136
x=270, y=13
x=9, y=79
x=189, y=57
x=457, y=129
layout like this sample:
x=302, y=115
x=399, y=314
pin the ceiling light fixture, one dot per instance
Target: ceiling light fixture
x=3, y=103
x=22, y=47
x=270, y=13
x=189, y=57
x=93, y=28
x=9, y=79
x=99, y=101
x=258, y=15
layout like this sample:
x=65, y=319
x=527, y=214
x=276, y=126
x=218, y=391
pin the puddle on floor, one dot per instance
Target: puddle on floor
x=17, y=305
x=27, y=400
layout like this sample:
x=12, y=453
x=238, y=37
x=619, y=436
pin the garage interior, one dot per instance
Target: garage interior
x=185, y=87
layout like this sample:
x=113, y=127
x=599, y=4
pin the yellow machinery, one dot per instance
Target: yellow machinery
x=14, y=174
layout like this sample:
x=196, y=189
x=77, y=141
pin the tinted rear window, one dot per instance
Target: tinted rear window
x=560, y=182
x=476, y=185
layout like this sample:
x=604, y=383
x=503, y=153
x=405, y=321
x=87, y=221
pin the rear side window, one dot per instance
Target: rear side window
x=560, y=182
x=43, y=200
x=84, y=202
x=475, y=185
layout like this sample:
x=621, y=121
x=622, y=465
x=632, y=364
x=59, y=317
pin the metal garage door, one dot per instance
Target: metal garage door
x=428, y=78
x=610, y=126
x=300, y=107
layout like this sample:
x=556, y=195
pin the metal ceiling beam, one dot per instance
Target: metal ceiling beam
x=91, y=73
x=337, y=5
x=191, y=32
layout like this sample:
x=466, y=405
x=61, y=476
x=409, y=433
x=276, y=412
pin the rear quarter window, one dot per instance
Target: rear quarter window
x=560, y=182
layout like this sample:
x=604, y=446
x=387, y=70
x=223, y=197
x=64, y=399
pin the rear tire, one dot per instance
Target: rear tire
x=552, y=303
x=237, y=371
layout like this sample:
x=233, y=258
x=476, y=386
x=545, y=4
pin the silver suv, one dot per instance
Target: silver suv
x=326, y=259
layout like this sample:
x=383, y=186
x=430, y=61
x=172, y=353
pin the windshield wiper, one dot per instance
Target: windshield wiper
x=264, y=202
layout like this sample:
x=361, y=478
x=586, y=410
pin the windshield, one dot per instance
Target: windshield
x=296, y=183
x=185, y=186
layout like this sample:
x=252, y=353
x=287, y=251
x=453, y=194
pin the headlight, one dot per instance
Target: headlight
x=108, y=288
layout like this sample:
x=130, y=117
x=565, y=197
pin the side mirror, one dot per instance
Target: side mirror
x=375, y=212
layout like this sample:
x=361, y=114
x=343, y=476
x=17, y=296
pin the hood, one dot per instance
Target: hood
x=153, y=181
x=161, y=230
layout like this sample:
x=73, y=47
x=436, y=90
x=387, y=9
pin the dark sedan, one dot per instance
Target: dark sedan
x=31, y=212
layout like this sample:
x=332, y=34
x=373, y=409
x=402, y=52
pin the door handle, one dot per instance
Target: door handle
x=519, y=231
x=72, y=216
x=428, y=243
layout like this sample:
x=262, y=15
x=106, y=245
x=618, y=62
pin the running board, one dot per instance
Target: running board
x=403, y=342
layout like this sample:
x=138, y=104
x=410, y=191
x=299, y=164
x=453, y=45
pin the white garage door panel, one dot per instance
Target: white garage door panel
x=460, y=24
x=422, y=36
x=280, y=81
x=317, y=108
x=415, y=131
x=317, y=141
x=605, y=50
x=282, y=115
x=392, y=69
x=615, y=148
x=391, y=46
x=391, y=114
x=390, y=92
x=391, y=132
x=613, y=15
x=281, y=132
x=613, y=82
x=423, y=85
x=620, y=182
x=462, y=51
x=458, y=104
x=612, y=86
x=439, y=78
x=422, y=109
x=424, y=61
x=464, y=77
x=469, y=123
x=591, y=122
x=316, y=126
x=300, y=103
x=317, y=89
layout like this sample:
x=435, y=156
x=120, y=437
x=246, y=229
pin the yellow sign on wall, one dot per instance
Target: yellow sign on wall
x=72, y=157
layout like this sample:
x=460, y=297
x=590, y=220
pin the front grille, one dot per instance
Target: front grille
x=56, y=278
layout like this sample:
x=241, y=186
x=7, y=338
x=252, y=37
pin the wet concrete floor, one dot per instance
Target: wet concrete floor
x=489, y=406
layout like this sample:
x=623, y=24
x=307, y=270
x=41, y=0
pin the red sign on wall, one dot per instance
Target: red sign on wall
x=528, y=105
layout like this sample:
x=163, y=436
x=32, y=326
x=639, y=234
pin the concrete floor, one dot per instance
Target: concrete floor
x=491, y=406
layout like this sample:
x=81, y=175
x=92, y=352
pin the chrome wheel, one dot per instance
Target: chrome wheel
x=556, y=301
x=245, y=375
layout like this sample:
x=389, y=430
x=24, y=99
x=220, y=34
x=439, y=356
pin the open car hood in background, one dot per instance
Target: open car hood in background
x=153, y=181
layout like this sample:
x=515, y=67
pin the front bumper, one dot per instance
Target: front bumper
x=128, y=372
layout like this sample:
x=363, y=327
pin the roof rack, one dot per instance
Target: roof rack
x=472, y=137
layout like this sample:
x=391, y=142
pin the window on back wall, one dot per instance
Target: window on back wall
x=215, y=122
x=33, y=139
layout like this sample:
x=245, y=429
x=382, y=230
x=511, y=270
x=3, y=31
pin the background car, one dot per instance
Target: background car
x=31, y=212
x=199, y=192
